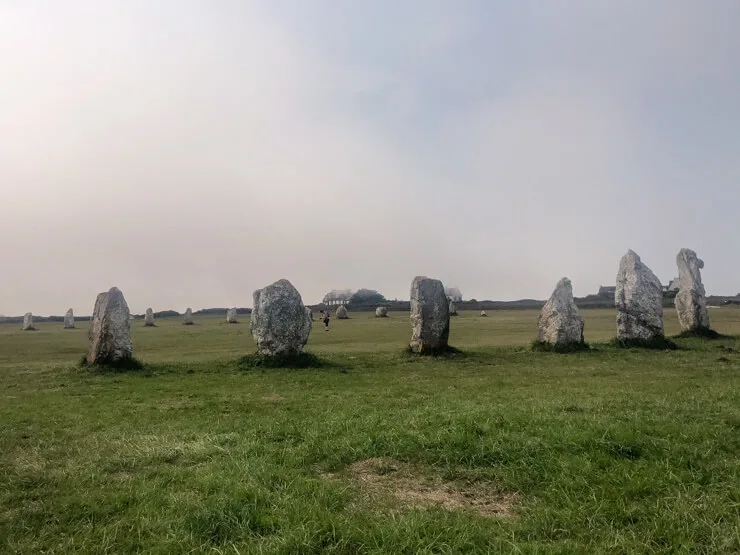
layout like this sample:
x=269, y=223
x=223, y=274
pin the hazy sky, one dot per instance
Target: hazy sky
x=191, y=151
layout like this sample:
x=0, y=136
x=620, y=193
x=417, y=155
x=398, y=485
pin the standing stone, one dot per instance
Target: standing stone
x=381, y=312
x=691, y=303
x=188, y=318
x=430, y=315
x=453, y=309
x=149, y=318
x=110, y=329
x=309, y=312
x=69, y=320
x=483, y=313
x=639, y=301
x=342, y=313
x=559, y=322
x=280, y=323
x=28, y=322
x=231, y=316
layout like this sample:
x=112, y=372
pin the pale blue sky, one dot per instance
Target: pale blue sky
x=190, y=151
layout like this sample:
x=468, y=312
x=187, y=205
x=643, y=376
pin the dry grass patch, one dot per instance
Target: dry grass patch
x=420, y=486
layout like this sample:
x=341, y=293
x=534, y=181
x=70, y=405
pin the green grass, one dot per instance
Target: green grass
x=370, y=450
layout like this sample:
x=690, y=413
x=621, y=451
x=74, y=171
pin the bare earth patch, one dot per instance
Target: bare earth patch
x=421, y=487
x=273, y=398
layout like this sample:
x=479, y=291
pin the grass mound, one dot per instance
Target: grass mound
x=702, y=333
x=658, y=344
x=124, y=365
x=296, y=361
x=545, y=347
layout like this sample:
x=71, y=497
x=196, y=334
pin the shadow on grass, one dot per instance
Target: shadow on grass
x=124, y=365
x=442, y=352
x=702, y=333
x=657, y=344
x=294, y=361
x=561, y=348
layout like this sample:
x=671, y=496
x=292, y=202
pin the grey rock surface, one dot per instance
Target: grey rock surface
x=559, y=322
x=381, y=312
x=231, y=316
x=430, y=315
x=341, y=313
x=691, y=302
x=639, y=300
x=453, y=309
x=69, y=320
x=280, y=323
x=110, y=329
x=149, y=318
x=187, y=320
x=28, y=322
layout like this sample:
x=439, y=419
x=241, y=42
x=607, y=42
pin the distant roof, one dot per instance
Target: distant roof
x=453, y=292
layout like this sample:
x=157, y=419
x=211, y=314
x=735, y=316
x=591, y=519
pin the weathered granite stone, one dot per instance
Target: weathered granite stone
x=187, y=320
x=639, y=301
x=28, y=322
x=483, y=313
x=110, y=329
x=559, y=322
x=280, y=323
x=430, y=315
x=691, y=303
x=69, y=320
x=341, y=313
x=231, y=316
x=381, y=312
x=309, y=312
x=453, y=309
x=149, y=318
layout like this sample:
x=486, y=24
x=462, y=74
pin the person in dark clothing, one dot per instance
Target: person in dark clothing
x=326, y=319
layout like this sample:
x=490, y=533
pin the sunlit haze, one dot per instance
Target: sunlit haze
x=192, y=151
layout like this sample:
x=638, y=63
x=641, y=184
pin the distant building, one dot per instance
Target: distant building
x=337, y=297
x=607, y=289
x=453, y=294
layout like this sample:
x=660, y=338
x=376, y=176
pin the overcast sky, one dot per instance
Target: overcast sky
x=191, y=151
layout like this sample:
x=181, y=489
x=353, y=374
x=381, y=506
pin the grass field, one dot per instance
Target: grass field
x=494, y=450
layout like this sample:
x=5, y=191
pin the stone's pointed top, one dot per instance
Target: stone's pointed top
x=559, y=322
x=689, y=255
x=70, y=311
x=280, y=323
x=110, y=329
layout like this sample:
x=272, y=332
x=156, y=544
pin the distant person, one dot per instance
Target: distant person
x=326, y=320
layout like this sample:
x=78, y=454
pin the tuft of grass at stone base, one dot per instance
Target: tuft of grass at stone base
x=122, y=365
x=658, y=344
x=545, y=347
